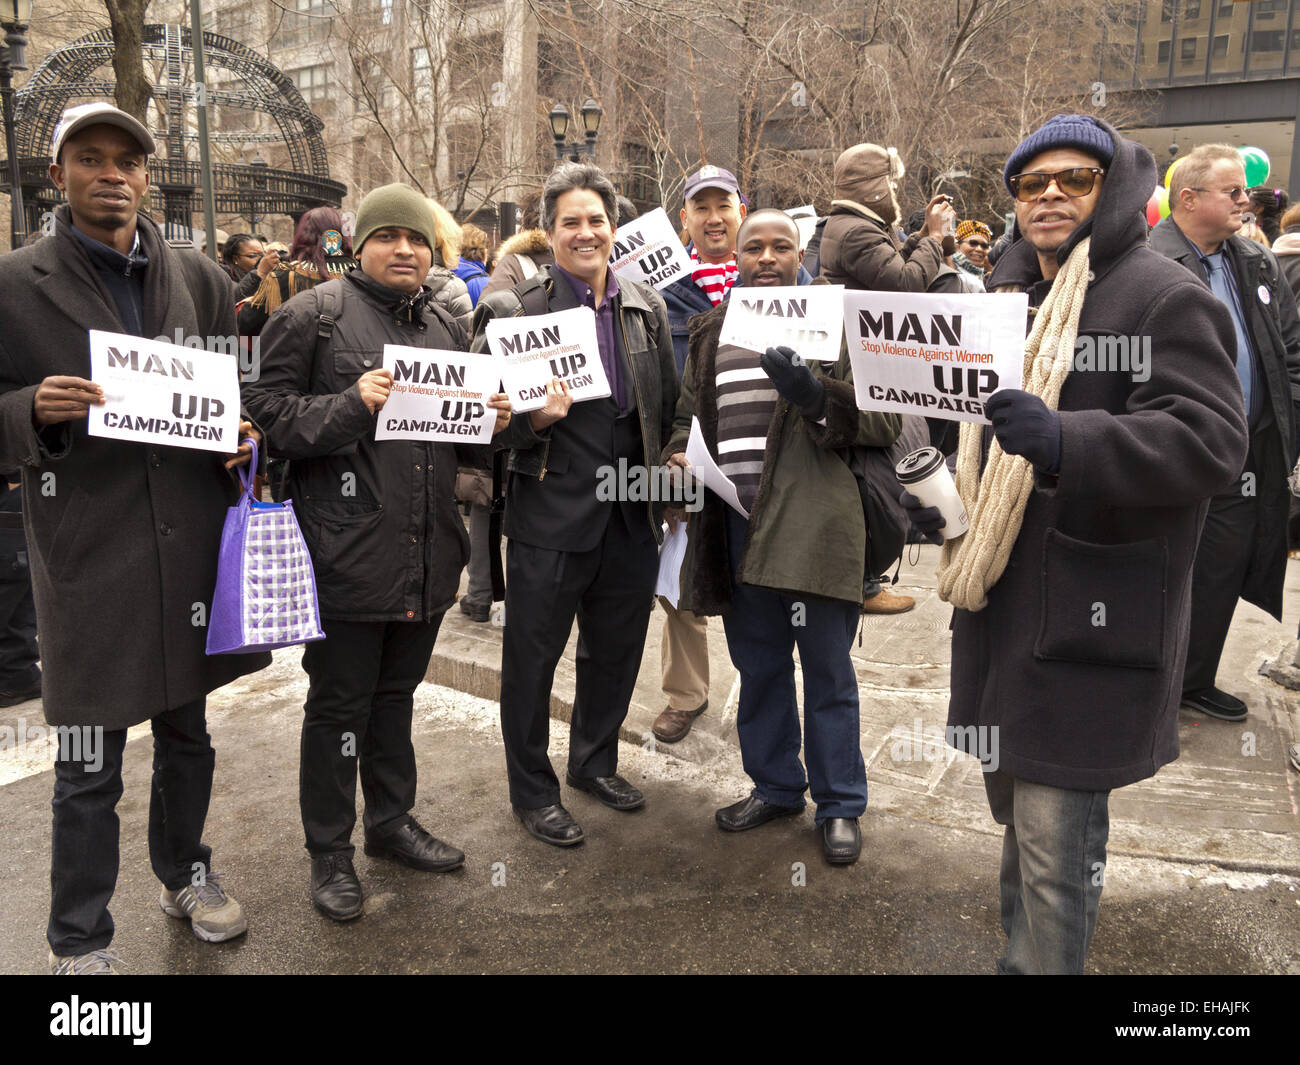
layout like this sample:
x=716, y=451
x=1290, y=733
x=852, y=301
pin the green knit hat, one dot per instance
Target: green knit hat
x=394, y=205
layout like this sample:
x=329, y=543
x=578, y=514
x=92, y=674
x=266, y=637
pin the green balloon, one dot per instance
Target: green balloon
x=1255, y=160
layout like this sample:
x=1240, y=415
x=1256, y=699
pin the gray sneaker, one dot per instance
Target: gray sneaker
x=96, y=963
x=214, y=915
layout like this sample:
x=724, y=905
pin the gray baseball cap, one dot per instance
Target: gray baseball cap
x=96, y=114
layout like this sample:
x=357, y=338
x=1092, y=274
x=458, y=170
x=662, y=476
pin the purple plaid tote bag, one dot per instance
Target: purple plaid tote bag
x=266, y=589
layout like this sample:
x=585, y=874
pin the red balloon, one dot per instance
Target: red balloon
x=1153, y=210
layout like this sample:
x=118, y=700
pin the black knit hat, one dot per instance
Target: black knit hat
x=1063, y=131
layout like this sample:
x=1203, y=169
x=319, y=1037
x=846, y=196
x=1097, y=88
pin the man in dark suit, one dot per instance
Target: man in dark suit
x=1243, y=548
x=573, y=550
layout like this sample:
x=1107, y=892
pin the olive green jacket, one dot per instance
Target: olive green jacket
x=806, y=534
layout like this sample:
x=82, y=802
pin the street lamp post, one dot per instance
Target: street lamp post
x=15, y=16
x=259, y=183
x=560, y=118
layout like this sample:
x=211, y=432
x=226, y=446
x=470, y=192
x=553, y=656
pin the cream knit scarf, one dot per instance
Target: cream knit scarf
x=996, y=502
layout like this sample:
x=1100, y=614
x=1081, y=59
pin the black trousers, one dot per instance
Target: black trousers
x=610, y=590
x=84, y=844
x=1219, y=574
x=358, y=715
x=18, y=650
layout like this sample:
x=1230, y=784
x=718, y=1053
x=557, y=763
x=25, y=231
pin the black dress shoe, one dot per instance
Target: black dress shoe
x=614, y=792
x=551, y=824
x=335, y=889
x=412, y=845
x=752, y=812
x=1216, y=703
x=475, y=611
x=841, y=840
x=21, y=695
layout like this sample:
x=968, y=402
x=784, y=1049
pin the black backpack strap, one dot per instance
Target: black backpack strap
x=329, y=314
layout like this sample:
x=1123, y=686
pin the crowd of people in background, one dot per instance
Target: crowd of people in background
x=1086, y=487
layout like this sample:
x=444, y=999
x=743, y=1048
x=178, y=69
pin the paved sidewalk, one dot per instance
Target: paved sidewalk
x=1230, y=800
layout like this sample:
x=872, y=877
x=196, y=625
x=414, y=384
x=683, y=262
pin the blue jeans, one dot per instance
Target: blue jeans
x=1053, y=861
x=762, y=631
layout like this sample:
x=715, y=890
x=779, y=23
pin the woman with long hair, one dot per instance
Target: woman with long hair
x=321, y=250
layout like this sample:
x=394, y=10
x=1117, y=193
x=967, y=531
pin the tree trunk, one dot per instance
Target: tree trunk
x=133, y=91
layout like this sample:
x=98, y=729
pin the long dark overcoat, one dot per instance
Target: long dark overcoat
x=122, y=537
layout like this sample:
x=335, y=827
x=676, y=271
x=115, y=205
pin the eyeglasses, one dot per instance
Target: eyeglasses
x=977, y=244
x=1075, y=182
x=1235, y=193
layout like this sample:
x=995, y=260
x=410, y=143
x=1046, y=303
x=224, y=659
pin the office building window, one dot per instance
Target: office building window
x=1220, y=47
x=1187, y=49
x=1162, y=52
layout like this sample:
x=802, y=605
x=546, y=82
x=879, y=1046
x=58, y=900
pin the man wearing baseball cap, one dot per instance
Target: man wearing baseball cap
x=122, y=536
x=711, y=214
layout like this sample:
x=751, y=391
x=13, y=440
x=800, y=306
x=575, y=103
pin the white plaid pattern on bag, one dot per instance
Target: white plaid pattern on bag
x=279, y=600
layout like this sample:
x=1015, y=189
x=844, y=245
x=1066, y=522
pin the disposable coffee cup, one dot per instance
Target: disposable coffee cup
x=925, y=474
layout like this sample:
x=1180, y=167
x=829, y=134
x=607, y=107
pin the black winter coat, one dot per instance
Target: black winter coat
x=1275, y=329
x=1077, y=660
x=122, y=537
x=379, y=517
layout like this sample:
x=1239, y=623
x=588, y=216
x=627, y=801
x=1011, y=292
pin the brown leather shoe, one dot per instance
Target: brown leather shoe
x=673, y=725
x=886, y=602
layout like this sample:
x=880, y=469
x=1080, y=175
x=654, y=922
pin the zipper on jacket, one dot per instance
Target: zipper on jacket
x=546, y=455
x=640, y=414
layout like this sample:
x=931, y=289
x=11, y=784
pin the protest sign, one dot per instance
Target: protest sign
x=807, y=318
x=533, y=349
x=438, y=395
x=937, y=355
x=647, y=249
x=160, y=393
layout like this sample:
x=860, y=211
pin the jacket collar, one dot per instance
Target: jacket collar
x=1169, y=240
x=560, y=295
x=858, y=208
x=398, y=304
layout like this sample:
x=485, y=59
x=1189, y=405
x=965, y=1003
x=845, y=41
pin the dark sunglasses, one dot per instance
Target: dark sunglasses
x=1077, y=181
x=977, y=244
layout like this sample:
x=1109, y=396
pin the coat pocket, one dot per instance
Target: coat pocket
x=1103, y=604
x=64, y=553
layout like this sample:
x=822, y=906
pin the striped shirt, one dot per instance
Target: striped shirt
x=715, y=278
x=746, y=400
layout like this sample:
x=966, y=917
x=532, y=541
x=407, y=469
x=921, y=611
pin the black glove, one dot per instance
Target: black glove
x=1024, y=426
x=795, y=382
x=926, y=520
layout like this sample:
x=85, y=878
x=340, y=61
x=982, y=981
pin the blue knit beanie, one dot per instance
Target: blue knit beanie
x=1063, y=131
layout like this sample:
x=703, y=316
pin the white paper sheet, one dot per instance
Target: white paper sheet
x=707, y=472
x=671, y=555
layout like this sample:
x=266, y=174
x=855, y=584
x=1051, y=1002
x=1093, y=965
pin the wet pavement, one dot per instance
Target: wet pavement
x=1203, y=875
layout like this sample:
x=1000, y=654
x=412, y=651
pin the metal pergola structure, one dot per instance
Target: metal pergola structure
x=67, y=76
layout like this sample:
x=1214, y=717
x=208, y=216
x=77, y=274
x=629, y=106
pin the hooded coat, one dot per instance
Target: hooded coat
x=1074, y=669
x=122, y=537
x=858, y=247
x=530, y=244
